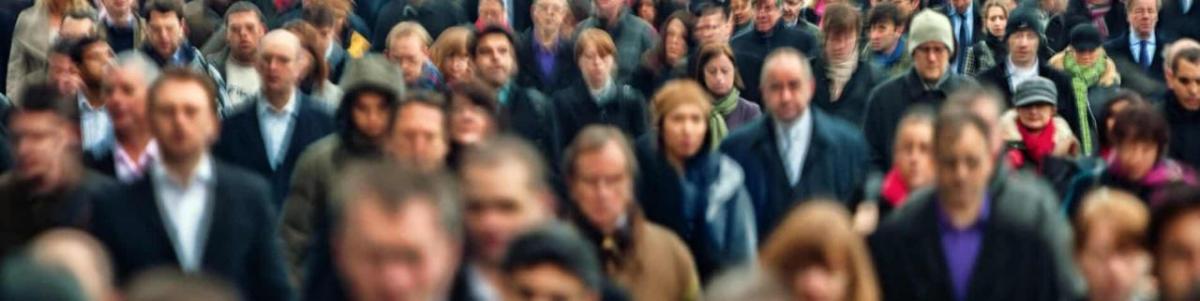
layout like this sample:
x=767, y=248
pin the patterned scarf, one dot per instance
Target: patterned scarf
x=1083, y=77
x=1098, y=11
x=716, y=120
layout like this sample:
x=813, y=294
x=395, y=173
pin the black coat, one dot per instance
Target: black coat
x=835, y=166
x=565, y=71
x=434, y=16
x=852, y=104
x=1172, y=17
x=24, y=215
x=242, y=143
x=1116, y=19
x=1068, y=107
x=1185, y=132
x=576, y=108
x=1119, y=50
x=751, y=49
x=888, y=103
x=241, y=246
x=531, y=116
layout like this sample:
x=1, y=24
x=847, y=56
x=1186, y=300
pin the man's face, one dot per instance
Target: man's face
x=609, y=8
x=1185, y=83
x=72, y=28
x=1143, y=16
x=96, y=58
x=118, y=7
x=1111, y=272
x=960, y=5
x=502, y=203
x=791, y=10
x=41, y=141
x=912, y=155
x=547, y=282
x=278, y=65
x=410, y=54
x=244, y=32
x=64, y=74
x=494, y=58
x=1022, y=47
x=419, y=137
x=884, y=36
x=182, y=119
x=907, y=7
x=166, y=33
x=766, y=14
x=786, y=90
x=930, y=60
x=602, y=186
x=548, y=14
x=711, y=28
x=402, y=254
x=1178, y=257
x=125, y=90
x=492, y=12
x=741, y=10
x=964, y=166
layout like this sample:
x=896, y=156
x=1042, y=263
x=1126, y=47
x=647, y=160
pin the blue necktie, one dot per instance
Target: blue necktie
x=1144, y=55
x=963, y=43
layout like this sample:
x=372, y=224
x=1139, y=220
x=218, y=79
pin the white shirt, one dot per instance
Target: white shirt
x=1018, y=75
x=242, y=82
x=184, y=207
x=130, y=169
x=276, y=126
x=1135, y=45
x=481, y=289
x=794, y=139
x=94, y=125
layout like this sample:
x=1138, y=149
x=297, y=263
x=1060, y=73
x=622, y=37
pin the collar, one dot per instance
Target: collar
x=202, y=174
x=985, y=212
x=601, y=94
x=127, y=22
x=265, y=108
x=502, y=94
x=149, y=154
x=801, y=127
x=968, y=13
x=941, y=82
x=1013, y=69
x=329, y=50
x=537, y=43
x=1134, y=39
x=84, y=105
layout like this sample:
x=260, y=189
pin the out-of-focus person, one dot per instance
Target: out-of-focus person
x=817, y=254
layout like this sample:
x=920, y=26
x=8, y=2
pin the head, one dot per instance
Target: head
x=45, y=138
x=397, y=233
x=419, y=138
x=608, y=9
x=741, y=11
x=931, y=44
x=92, y=55
x=1174, y=241
x=451, y=55
x=494, y=55
x=600, y=168
x=885, y=27
x=278, y=62
x=125, y=88
x=681, y=109
x=787, y=85
x=577, y=10
x=1184, y=77
x=817, y=254
x=244, y=28
x=547, y=15
x=1036, y=101
x=506, y=194
x=1142, y=16
x=675, y=37
x=368, y=107
x=408, y=47
x=118, y=8
x=492, y=12
x=647, y=10
x=1123, y=99
x=841, y=25
x=983, y=102
x=183, y=114
x=907, y=7
x=963, y=157
x=766, y=14
x=1139, y=139
x=552, y=262
x=329, y=17
x=78, y=23
x=61, y=69
x=596, y=55
x=717, y=69
x=995, y=17
x=1023, y=34
x=164, y=21
x=791, y=10
x=161, y=284
x=80, y=254
x=1110, y=228
x=713, y=24
x=474, y=113
x=912, y=154
x=313, y=69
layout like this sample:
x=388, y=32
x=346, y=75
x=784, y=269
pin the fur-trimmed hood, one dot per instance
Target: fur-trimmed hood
x=1065, y=143
x=1110, y=77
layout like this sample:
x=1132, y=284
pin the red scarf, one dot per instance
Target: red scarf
x=1038, y=145
x=894, y=191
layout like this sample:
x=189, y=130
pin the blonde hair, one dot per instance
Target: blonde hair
x=452, y=42
x=819, y=232
x=408, y=29
x=1124, y=211
x=595, y=38
x=678, y=93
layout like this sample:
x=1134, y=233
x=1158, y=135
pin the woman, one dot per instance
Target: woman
x=1109, y=249
x=668, y=59
x=1116, y=104
x=474, y=117
x=843, y=79
x=691, y=188
x=647, y=10
x=716, y=68
x=817, y=254
x=450, y=55
x=598, y=98
x=912, y=160
x=35, y=31
x=1094, y=76
x=983, y=55
x=315, y=80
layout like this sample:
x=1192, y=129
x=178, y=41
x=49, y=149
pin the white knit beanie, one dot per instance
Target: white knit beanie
x=930, y=26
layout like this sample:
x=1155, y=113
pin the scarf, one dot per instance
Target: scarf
x=1164, y=173
x=716, y=120
x=894, y=191
x=839, y=74
x=1083, y=77
x=1098, y=11
x=1038, y=145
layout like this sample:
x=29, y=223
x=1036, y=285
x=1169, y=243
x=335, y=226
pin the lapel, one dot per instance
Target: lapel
x=145, y=205
x=928, y=258
x=301, y=129
x=218, y=229
x=768, y=149
x=35, y=41
x=813, y=158
x=253, y=136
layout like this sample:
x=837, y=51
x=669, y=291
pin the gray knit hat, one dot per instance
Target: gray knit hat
x=1034, y=91
x=930, y=26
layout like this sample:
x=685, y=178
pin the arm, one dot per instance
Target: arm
x=301, y=210
x=269, y=272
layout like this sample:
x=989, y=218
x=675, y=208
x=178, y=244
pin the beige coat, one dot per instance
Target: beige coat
x=658, y=266
x=1065, y=144
x=1110, y=77
x=30, y=47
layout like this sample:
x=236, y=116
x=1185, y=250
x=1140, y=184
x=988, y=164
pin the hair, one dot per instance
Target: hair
x=1129, y=5
x=44, y=97
x=81, y=45
x=656, y=57
x=595, y=38
x=493, y=29
x=408, y=29
x=309, y=35
x=1189, y=54
x=142, y=63
x=164, y=7
x=1140, y=124
x=819, y=232
x=341, y=9
x=559, y=245
x=786, y=53
x=392, y=188
x=708, y=7
x=245, y=7
x=579, y=9
x=64, y=46
x=746, y=283
x=452, y=42
x=183, y=75
x=710, y=52
x=951, y=125
x=1122, y=96
x=676, y=93
x=916, y=114
x=1175, y=202
x=594, y=138
x=505, y=149
x=970, y=96
x=841, y=18
x=1123, y=210
x=886, y=12
x=163, y=284
x=479, y=94
x=59, y=246
x=319, y=15
x=1001, y=4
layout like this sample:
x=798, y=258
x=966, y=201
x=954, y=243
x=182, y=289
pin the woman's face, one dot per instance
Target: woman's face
x=913, y=156
x=819, y=283
x=647, y=11
x=1086, y=57
x=841, y=46
x=996, y=19
x=676, y=41
x=1111, y=273
x=597, y=67
x=719, y=75
x=1035, y=117
x=1136, y=158
x=683, y=131
x=370, y=115
x=306, y=65
x=1114, y=109
x=469, y=123
x=458, y=67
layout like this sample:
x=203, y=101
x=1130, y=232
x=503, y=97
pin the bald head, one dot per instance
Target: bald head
x=279, y=57
x=786, y=84
x=81, y=255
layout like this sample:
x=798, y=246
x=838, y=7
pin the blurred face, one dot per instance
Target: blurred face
x=419, y=137
x=72, y=28
x=741, y=10
x=766, y=14
x=676, y=41
x=401, y=255
x=907, y=7
x=492, y=12
x=548, y=14
x=41, y=141
x=547, y=282
x=1115, y=109
x=370, y=115
x=609, y=8
x=996, y=19
x=328, y=36
x=960, y=5
x=1178, y=257
x=410, y=53
x=457, y=67
x=818, y=283
x=469, y=123
x=125, y=90
x=1185, y=84
x=884, y=36
x=183, y=120
x=279, y=65
x=683, y=131
x=1136, y=158
x=841, y=46
x=647, y=12
x=166, y=33
x=990, y=114
x=494, y=57
x=786, y=90
x=502, y=203
x=64, y=74
x=118, y=8
x=791, y=9
x=1035, y=117
x=602, y=186
x=1087, y=57
x=1143, y=16
x=1111, y=273
x=597, y=67
x=930, y=60
x=1022, y=47
x=96, y=58
x=719, y=75
x=964, y=167
x=913, y=154
x=711, y=28
x=244, y=31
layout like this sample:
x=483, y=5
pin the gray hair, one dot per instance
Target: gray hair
x=784, y=54
x=392, y=188
x=139, y=62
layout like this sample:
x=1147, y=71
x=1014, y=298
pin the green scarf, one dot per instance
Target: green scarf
x=716, y=119
x=1083, y=77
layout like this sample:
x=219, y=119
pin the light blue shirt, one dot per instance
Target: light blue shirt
x=185, y=210
x=956, y=21
x=794, y=139
x=1135, y=46
x=1186, y=5
x=94, y=125
x=276, y=126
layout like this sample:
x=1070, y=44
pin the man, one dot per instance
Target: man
x=491, y=12
x=517, y=12
x=968, y=29
x=243, y=29
x=743, y=16
x=714, y=24
x=553, y=262
x=886, y=50
x=529, y=113
x=632, y=35
x=408, y=48
x=91, y=57
x=122, y=27
x=62, y=73
x=268, y=135
x=972, y=238
x=205, y=20
x=506, y=192
x=647, y=259
x=1023, y=35
x=420, y=138
x=125, y=84
x=769, y=34
x=48, y=187
x=908, y=8
x=792, y=13
x=167, y=46
x=1171, y=238
x=1182, y=106
x=928, y=82
x=192, y=211
x=797, y=152
x=843, y=80
x=397, y=235
x=31, y=45
x=335, y=23
x=543, y=49
x=1138, y=52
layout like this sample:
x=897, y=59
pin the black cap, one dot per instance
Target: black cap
x=1022, y=19
x=1085, y=37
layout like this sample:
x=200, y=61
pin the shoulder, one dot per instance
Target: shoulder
x=745, y=136
x=238, y=178
x=842, y=133
x=903, y=220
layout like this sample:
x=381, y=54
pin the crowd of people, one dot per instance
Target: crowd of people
x=600, y=150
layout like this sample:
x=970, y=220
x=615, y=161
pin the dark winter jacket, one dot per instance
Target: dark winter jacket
x=852, y=104
x=751, y=49
x=620, y=106
x=887, y=105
